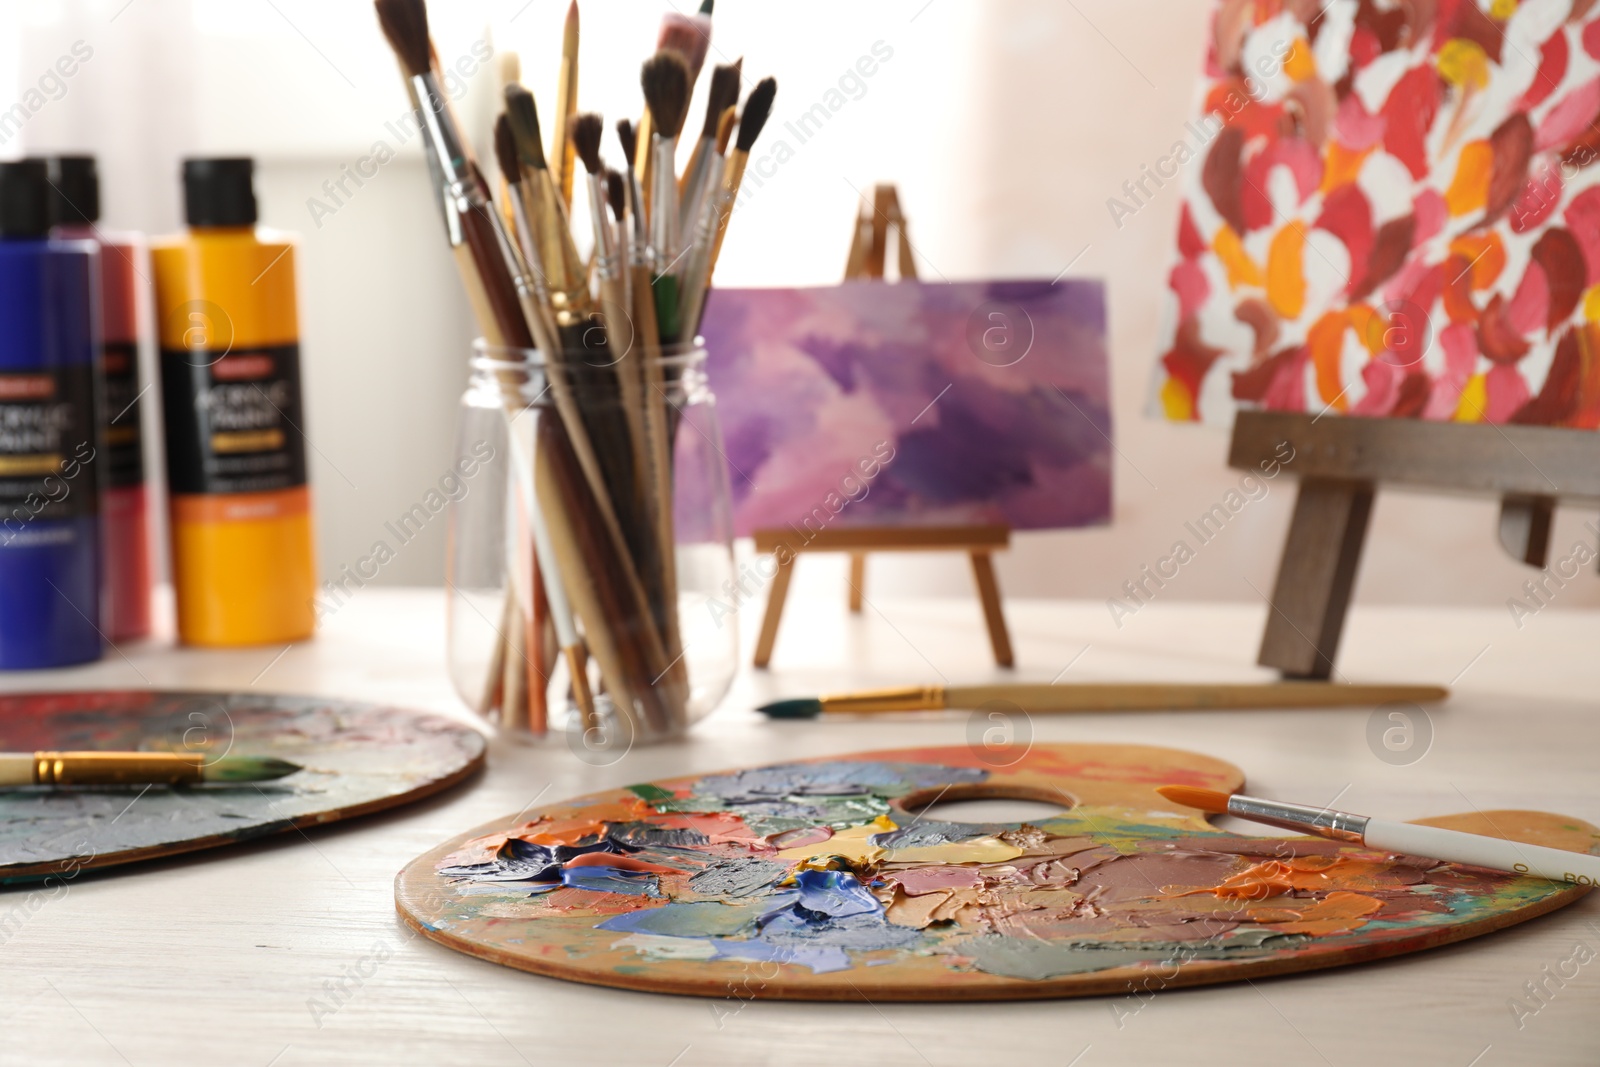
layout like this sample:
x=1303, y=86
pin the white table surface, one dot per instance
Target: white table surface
x=224, y=956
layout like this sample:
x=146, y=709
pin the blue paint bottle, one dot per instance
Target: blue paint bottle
x=50, y=470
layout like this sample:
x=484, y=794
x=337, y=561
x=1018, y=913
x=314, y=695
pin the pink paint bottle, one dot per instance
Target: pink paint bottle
x=75, y=208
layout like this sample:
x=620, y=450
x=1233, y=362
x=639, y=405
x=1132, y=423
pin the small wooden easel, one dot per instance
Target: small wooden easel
x=869, y=254
x=1341, y=460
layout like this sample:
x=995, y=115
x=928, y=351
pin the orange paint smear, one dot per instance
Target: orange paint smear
x=563, y=831
x=1487, y=255
x=1469, y=189
x=1326, y=342
x=1273, y=878
x=1343, y=166
x=1337, y=913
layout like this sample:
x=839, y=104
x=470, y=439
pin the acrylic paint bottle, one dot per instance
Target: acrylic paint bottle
x=125, y=508
x=50, y=453
x=243, y=565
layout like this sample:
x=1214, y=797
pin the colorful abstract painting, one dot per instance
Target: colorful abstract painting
x=1392, y=209
x=899, y=404
x=826, y=879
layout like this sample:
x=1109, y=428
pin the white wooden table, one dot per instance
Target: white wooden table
x=288, y=951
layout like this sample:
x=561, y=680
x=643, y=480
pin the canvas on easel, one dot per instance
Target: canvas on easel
x=910, y=416
x=1391, y=212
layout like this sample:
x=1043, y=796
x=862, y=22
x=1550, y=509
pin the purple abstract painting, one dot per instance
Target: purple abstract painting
x=914, y=404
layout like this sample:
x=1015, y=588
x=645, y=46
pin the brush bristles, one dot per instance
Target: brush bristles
x=587, y=131
x=686, y=37
x=1209, y=800
x=505, y=150
x=757, y=109
x=665, y=80
x=616, y=193
x=405, y=24
x=525, y=127
x=248, y=769
x=723, y=94
x=628, y=137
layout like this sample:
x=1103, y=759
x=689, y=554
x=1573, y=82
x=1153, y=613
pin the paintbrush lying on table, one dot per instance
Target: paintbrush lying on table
x=136, y=768
x=1451, y=846
x=1064, y=699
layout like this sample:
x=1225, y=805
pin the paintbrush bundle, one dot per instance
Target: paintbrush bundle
x=604, y=336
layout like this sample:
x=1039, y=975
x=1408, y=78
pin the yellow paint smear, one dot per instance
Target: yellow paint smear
x=1591, y=304
x=1474, y=400
x=852, y=844
x=1463, y=62
x=977, y=850
x=1176, y=401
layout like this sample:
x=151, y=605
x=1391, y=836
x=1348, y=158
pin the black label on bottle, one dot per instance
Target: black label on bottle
x=233, y=420
x=49, y=448
x=124, y=431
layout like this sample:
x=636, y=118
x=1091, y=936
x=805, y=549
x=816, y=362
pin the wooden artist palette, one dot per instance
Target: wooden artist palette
x=357, y=758
x=813, y=881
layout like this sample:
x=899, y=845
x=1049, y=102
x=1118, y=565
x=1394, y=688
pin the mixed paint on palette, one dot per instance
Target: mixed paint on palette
x=813, y=867
x=355, y=758
x=1392, y=209
x=896, y=404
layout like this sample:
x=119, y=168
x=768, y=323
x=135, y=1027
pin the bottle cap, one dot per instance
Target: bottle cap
x=24, y=198
x=219, y=192
x=74, y=190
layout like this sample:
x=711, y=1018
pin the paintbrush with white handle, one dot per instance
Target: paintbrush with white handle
x=1451, y=846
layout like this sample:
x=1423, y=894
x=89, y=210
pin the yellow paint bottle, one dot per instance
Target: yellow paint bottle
x=243, y=563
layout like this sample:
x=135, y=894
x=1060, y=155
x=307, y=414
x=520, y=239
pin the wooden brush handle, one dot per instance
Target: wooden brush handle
x=1189, y=697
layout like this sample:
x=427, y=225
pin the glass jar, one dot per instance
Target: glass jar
x=592, y=611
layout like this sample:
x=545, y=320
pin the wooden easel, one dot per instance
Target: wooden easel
x=869, y=254
x=1340, y=463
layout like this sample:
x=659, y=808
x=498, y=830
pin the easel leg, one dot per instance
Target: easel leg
x=1316, y=577
x=858, y=580
x=1525, y=528
x=989, y=595
x=774, y=613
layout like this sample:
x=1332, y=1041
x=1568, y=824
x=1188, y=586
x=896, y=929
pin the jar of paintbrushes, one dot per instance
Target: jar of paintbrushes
x=587, y=575
x=586, y=570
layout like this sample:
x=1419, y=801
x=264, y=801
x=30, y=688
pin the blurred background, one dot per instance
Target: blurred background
x=1007, y=124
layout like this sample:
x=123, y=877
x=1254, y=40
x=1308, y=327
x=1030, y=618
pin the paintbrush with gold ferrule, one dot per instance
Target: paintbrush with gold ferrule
x=703, y=172
x=136, y=768
x=752, y=120
x=1406, y=838
x=1065, y=699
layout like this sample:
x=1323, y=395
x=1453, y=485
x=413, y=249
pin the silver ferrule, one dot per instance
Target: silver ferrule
x=439, y=126
x=697, y=183
x=639, y=248
x=664, y=204
x=1324, y=822
x=607, y=260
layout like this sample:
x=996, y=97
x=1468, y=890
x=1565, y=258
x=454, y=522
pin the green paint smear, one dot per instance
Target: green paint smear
x=1015, y=957
x=653, y=795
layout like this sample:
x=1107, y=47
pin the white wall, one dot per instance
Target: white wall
x=1006, y=123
